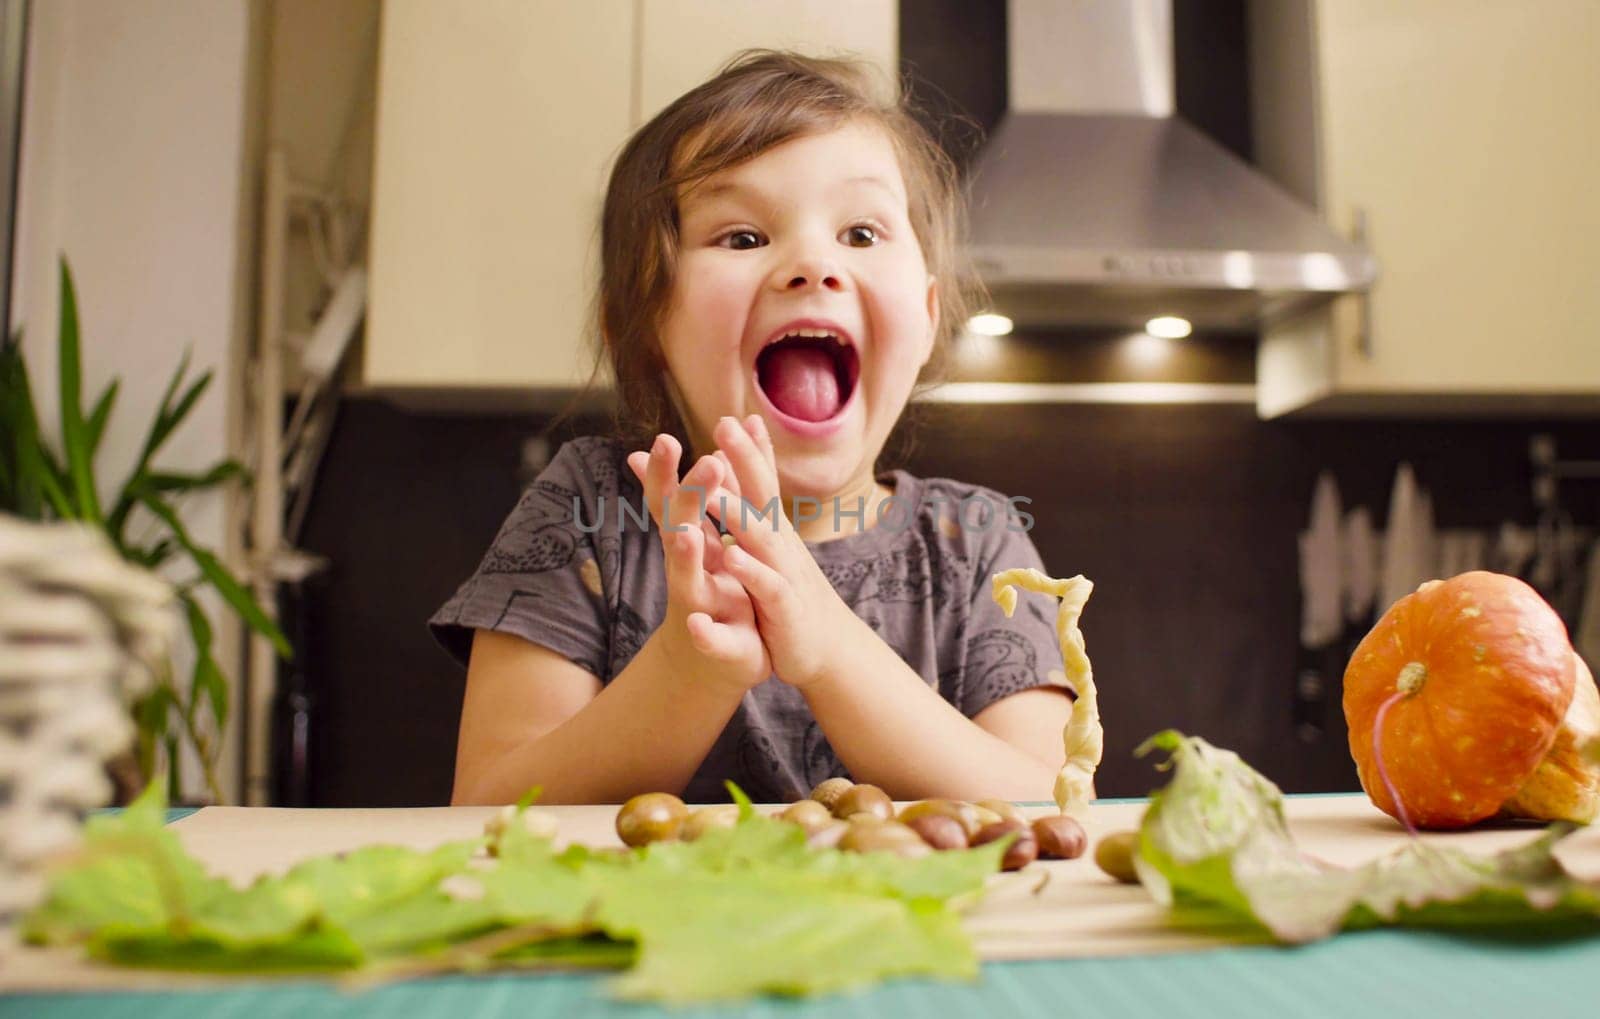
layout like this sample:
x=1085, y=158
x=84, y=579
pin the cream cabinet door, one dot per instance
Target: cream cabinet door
x=683, y=42
x=496, y=124
x=1467, y=135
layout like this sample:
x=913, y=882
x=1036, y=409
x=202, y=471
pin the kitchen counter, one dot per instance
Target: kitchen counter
x=1078, y=945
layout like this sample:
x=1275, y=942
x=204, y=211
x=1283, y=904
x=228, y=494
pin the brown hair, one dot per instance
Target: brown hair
x=760, y=99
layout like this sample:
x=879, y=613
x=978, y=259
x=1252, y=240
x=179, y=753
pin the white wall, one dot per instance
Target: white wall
x=321, y=76
x=133, y=164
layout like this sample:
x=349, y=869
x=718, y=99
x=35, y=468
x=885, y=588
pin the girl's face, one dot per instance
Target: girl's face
x=802, y=295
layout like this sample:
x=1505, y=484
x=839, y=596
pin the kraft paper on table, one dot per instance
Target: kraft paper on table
x=1078, y=912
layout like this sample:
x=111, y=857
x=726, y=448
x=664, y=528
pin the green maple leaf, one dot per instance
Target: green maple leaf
x=129, y=873
x=753, y=909
x=710, y=937
x=1214, y=844
x=739, y=911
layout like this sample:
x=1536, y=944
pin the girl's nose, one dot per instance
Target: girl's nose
x=807, y=272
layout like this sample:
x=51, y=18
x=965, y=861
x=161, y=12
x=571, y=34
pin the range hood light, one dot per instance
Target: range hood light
x=989, y=324
x=1169, y=327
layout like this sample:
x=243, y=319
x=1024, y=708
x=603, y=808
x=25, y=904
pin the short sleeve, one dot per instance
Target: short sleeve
x=1003, y=656
x=540, y=579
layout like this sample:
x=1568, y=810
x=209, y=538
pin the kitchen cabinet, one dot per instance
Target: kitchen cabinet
x=497, y=123
x=1464, y=136
x=685, y=41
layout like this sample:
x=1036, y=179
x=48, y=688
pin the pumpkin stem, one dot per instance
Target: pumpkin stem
x=1412, y=679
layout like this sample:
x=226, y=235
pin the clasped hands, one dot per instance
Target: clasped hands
x=737, y=613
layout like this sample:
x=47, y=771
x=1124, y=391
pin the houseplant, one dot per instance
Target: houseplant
x=143, y=522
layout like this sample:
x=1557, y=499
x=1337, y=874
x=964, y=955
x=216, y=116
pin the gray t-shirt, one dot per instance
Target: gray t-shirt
x=593, y=588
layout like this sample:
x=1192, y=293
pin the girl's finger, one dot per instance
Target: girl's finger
x=759, y=535
x=713, y=544
x=684, y=563
x=733, y=498
x=757, y=480
x=766, y=585
x=728, y=600
x=686, y=505
x=660, y=473
x=639, y=464
x=756, y=427
x=701, y=628
x=713, y=639
x=730, y=477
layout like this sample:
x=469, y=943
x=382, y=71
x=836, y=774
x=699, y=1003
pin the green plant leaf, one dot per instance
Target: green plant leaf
x=151, y=557
x=151, y=717
x=169, y=416
x=740, y=911
x=20, y=467
x=129, y=872
x=150, y=711
x=32, y=469
x=207, y=677
x=1216, y=838
x=100, y=414
x=746, y=808
x=173, y=416
x=173, y=791
x=160, y=428
x=233, y=592
x=185, y=483
x=56, y=484
x=75, y=435
x=752, y=909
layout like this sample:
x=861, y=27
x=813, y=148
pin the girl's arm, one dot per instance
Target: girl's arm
x=885, y=722
x=531, y=717
x=892, y=729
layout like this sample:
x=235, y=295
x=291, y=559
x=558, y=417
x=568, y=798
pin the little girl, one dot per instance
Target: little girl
x=778, y=271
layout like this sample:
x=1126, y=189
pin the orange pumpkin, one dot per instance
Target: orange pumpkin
x=1566, y=785
x=1472, y=677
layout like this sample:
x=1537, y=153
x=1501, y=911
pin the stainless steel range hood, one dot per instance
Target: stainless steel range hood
x=1093, y=204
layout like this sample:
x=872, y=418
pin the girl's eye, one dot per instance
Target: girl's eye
x=862, y=235
x=742, y=240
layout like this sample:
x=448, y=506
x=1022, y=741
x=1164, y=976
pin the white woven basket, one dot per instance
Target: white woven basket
x=80, y=630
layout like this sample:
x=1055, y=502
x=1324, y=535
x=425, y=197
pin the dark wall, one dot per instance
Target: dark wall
x=953, y=57
x=1211, y=70
x=405, y=507
x=1185, y=517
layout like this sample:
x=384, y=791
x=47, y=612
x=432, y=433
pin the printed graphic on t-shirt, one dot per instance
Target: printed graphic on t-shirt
x=628, y=633
x=912, y=575
x=1005, y=659
x=538, y=535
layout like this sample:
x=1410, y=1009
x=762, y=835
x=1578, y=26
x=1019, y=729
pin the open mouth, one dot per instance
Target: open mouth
x=808, y=374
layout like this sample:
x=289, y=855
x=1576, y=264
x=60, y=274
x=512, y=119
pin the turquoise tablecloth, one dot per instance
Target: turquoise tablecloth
x=1371, y=974
x=1366, y=975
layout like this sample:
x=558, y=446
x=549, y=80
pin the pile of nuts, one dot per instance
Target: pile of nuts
x=861, y=818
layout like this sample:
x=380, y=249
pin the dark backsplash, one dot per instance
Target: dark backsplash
x=1184, y=516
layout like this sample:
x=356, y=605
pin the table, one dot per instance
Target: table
x=1367, y=974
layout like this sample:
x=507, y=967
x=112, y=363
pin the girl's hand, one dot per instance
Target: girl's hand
x=799, y=614
x=710, y=626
